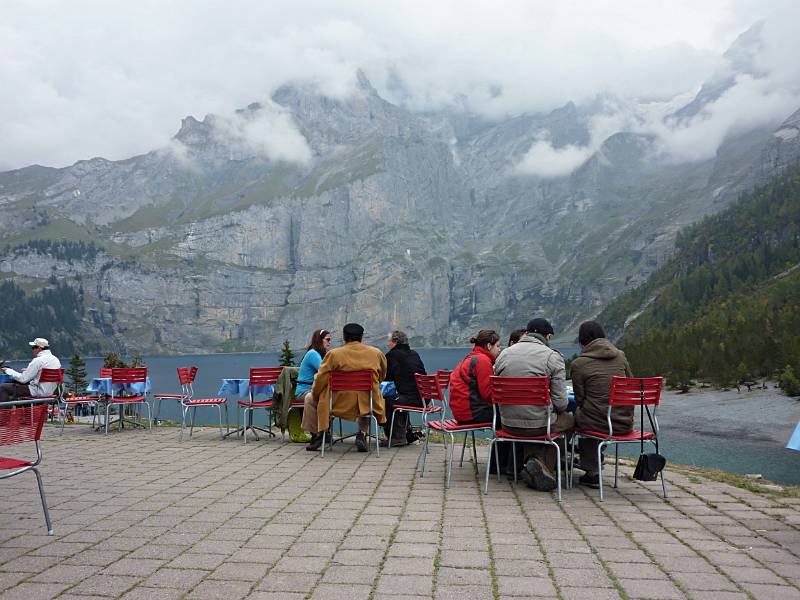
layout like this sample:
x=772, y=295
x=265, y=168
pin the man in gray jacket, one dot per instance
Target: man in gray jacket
x=530, y=357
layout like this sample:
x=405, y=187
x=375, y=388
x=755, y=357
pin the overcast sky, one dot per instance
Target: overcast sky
x=80, y=79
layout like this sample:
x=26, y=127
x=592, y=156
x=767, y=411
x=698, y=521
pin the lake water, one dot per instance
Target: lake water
x=742, y=433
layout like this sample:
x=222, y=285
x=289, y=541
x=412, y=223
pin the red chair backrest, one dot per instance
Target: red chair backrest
x=22, y=424
x=105, y=372
x=429, y=386
x=633, y=391
x=264, y=375
x=351, y=381
x=192, y=374
x=184, y=375
x=444, y=378
x=524, y=391
x=51, y=376
x=132, y=375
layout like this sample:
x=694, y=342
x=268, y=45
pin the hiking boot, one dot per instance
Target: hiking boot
x=592, y=481
x=316, y=442
x=537, y=476
x=361, y=442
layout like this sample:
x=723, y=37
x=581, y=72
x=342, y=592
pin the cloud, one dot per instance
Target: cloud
x=90, y=78
x=269, y=132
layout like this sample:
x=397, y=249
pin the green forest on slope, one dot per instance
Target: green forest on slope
x=726, y=307
x=54, y=312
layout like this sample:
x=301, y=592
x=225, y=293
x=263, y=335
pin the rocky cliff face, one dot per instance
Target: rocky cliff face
x=392, y=219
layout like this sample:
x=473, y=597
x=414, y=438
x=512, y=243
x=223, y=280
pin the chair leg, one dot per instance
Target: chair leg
x=184, y=410
x=425, y=449
x=474, y=450
x=571, y=460
x=663, y=484
x=63, y=418
x=600, y=467
x=450, y=461
x=244, y=424
x=463, y=447
x=616, y=464
x=391, y=429
x=156, y=410
x=219, y=410
x=488, y=463
x=44, y=500
x=108, y=408
x=191, y=427
x=496, y=460
x=149, y=417
x=558, y=469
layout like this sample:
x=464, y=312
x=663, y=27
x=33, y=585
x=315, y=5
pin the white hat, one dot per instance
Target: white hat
x=40, y=342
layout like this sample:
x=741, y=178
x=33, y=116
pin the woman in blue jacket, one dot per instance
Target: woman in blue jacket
x=320, y=342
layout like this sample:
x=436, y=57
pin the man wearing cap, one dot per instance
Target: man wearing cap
x=27, y=382
x=353, y=356
x=531, y=357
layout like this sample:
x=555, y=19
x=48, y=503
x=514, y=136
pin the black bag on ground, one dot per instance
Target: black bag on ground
x=649, y=464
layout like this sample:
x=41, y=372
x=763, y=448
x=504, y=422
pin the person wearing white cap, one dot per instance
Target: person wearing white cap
x=27, y=382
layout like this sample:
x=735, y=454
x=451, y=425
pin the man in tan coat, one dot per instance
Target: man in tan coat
x=353, y=356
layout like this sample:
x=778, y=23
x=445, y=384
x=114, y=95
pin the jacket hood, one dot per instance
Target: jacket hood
x=479, y=350
x=601, y=349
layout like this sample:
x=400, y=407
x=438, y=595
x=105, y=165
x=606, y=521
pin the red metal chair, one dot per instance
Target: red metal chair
x=427, y=408
x=627, y=391
x=186, y=377
x=20, y=423
x=190, y=402
x=522, y=391
x=129, y=376
x=431, y=387
x=49, y=376
x=259, y=377
x=351, y=381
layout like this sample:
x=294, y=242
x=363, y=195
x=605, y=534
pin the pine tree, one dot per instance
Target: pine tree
x=77, y=375
x=113, y=361
x=287, y=356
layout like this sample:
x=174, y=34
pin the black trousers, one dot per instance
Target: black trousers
x=9, y=391
x=402, y=421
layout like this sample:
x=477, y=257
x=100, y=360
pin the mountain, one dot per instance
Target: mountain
x=305, y=211
x=726, y=306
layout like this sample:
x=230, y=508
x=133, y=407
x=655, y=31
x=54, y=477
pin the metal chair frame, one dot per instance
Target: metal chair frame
x=425, y=410
x=258, y=376
x=350, y=381
x=522, y=391
x=436, y=393
x=626, y=391
x=190, y=402
x=186, y=377
x=122, y=376
x=22, y=421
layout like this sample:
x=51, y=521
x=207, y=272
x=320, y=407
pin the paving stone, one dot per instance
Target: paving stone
x=450, y=576
x=703, y=581
x=34, y=591
x=772, y=592
x=183, y=579
x=148, y=593
x=289, y=582
x=105, y=585
x=404, y=584
x=651, y=588
x=329, y=591
x=220, y=590
x=351, y=574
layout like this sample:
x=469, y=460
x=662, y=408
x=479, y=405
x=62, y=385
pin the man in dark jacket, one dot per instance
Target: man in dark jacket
x=401, y=364
x=591, y=381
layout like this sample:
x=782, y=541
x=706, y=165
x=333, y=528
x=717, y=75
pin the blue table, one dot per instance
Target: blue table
x=5, y=378
x=388, y=389
x=103, y=387
x=241, y=388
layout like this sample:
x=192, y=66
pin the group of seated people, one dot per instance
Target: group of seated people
x=528, y=355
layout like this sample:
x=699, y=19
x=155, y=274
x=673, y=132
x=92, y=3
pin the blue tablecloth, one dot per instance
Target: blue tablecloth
x=102, y=385
x=232, y=387
x=5, y=378
x=388, y=389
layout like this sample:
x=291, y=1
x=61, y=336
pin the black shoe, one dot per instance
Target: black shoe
x=537, y=476
x=592, y=481
x=361, y=442
x=316, y=442
x=412, y=437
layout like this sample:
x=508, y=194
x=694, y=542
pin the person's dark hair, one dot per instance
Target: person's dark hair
x=590, y=331
x=317, y=341
x=515, y=336
x=484, y=338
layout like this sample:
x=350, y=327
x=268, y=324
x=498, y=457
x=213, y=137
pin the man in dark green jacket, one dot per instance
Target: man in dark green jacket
x=591, y=382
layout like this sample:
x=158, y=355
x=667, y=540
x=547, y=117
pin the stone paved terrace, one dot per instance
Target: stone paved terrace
x=139, y=515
